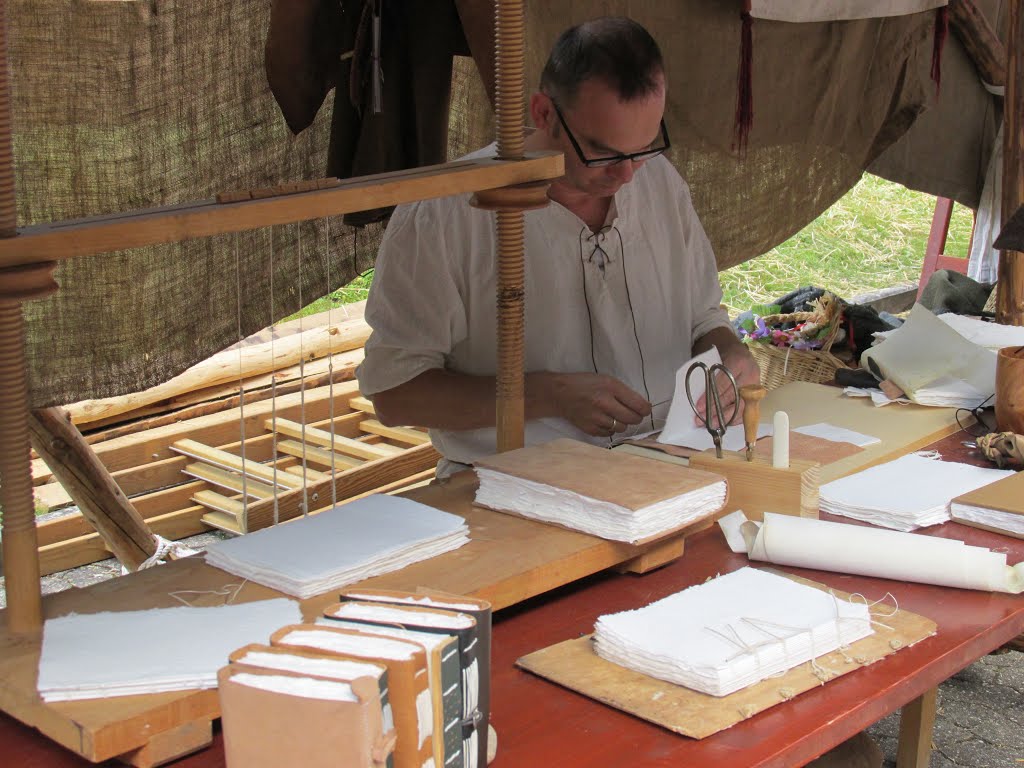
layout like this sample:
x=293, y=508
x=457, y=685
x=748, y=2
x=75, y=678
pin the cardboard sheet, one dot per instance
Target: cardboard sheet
x=574, y=665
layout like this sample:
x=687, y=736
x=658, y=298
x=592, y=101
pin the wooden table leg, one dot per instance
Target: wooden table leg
x=916, y=721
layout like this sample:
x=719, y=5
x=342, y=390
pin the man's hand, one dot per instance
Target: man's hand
x=597, y=404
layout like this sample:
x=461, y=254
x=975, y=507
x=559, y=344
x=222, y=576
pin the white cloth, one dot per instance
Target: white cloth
x=651, y=272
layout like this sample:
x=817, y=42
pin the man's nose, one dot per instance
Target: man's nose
x=623, y=171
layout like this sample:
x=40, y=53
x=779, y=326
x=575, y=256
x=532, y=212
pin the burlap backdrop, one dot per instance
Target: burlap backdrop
x=124, y=105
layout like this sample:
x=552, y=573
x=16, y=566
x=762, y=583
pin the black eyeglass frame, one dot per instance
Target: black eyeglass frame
x=604, y=162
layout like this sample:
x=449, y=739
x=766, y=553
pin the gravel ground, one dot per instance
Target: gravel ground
x=979, y=724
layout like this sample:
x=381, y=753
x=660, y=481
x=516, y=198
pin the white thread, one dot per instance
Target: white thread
x=933, y=455
x=785, y=364
x=226, y=590
x=273, y=379
x=241, y=386
x=302, y=377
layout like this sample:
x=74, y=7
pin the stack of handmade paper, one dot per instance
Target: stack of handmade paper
x=731, y=632
x=348, y=543
x=164, y=649
x=911, y=492
x=609, y=494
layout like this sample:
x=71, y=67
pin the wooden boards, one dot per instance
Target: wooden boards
x=507, y=561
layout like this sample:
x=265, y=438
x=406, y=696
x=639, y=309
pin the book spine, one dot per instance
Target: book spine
x=451, y=697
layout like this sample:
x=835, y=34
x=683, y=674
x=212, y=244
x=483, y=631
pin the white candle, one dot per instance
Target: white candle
x=780, y=440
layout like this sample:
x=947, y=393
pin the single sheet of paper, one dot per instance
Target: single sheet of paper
x=680, y=428
x=837, y=434
x=121, y=653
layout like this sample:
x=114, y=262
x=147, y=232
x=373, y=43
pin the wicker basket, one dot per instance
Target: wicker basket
x=781, y=365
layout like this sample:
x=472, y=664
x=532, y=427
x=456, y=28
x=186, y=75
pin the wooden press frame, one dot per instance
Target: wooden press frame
x=508, y=184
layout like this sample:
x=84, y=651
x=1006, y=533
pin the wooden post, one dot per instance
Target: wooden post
x=59, y=443
x=916, y=722
x=509, y=22
x=979, y=40
x=1010, y=295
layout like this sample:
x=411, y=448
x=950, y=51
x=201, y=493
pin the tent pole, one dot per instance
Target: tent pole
x=1010, y=296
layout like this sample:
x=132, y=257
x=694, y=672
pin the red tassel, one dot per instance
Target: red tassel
x=744, y=119
x=938, y=41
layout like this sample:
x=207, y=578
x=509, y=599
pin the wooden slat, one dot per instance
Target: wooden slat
x=226, y=460
x=398, y=434
x=104, y=234
x=335, y=442
x=318, y=455
x=220, y=503
x=362, y=404
x=311, y=475
x=225, y=479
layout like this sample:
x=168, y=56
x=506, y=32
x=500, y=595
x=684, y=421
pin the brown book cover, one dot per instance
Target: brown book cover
x=616, y=477
x=477, y=718
x=408, y=682
x=273, y=728
x=1003, y=497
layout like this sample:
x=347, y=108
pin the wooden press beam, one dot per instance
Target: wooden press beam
x=91, y=487
x=979, y=40
x=1010, y=291
x=57, y=241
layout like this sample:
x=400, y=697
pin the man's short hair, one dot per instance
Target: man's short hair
x=614, y=49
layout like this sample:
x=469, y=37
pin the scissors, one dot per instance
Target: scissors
x=711, y=398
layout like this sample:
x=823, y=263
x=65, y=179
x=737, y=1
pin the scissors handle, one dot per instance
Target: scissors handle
x=712, y=399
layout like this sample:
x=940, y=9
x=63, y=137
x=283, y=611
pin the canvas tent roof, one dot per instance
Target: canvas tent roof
x=120, y=106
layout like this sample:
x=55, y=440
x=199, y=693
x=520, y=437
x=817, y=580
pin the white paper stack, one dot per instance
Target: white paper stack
x=163, y=649
x=731, y=632
x=911, y=492
x=992, y=336
x=373, y=535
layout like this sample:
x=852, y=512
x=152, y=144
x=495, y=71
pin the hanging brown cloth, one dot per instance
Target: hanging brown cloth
x=316, y=45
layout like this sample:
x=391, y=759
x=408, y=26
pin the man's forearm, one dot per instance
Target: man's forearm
x=442, y=399
x=724, y=339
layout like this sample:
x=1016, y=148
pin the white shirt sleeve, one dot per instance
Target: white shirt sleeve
x=414, y=308
x=705, y=300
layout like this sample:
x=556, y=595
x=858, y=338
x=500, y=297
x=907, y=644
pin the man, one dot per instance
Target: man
x=621, y=282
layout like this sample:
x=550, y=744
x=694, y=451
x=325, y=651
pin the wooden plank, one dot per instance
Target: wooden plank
x=232, y=365
x=310, y=475
x=916, y=722
x=398, y=434
x=335, y=442
x=1010, y=272
x=57, y=241
x=220, y=503
x=227, y=460
x=172, y=744
x=318, y=455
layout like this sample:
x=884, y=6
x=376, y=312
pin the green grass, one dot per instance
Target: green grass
x=873, y=238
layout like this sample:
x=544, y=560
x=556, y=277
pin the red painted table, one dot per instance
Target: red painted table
x=540, y=723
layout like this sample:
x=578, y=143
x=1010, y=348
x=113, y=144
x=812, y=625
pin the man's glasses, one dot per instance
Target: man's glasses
x=604, y=162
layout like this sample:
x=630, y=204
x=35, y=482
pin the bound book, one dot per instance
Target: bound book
x=997, y=507
x=273, y=718
x=408, y=680
x=443, y=664
x=610, y=494
x=475, y=657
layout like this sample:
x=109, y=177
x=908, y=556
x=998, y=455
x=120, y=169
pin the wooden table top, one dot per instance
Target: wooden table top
x=537, y=720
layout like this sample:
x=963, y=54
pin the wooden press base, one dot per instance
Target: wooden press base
x=508, y=560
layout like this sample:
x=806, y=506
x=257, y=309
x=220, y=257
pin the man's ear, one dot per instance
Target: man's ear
x=542, y=111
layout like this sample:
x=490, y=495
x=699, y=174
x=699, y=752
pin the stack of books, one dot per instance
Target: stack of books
x=609, y=494
x=418, y=665
x=351, y=542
